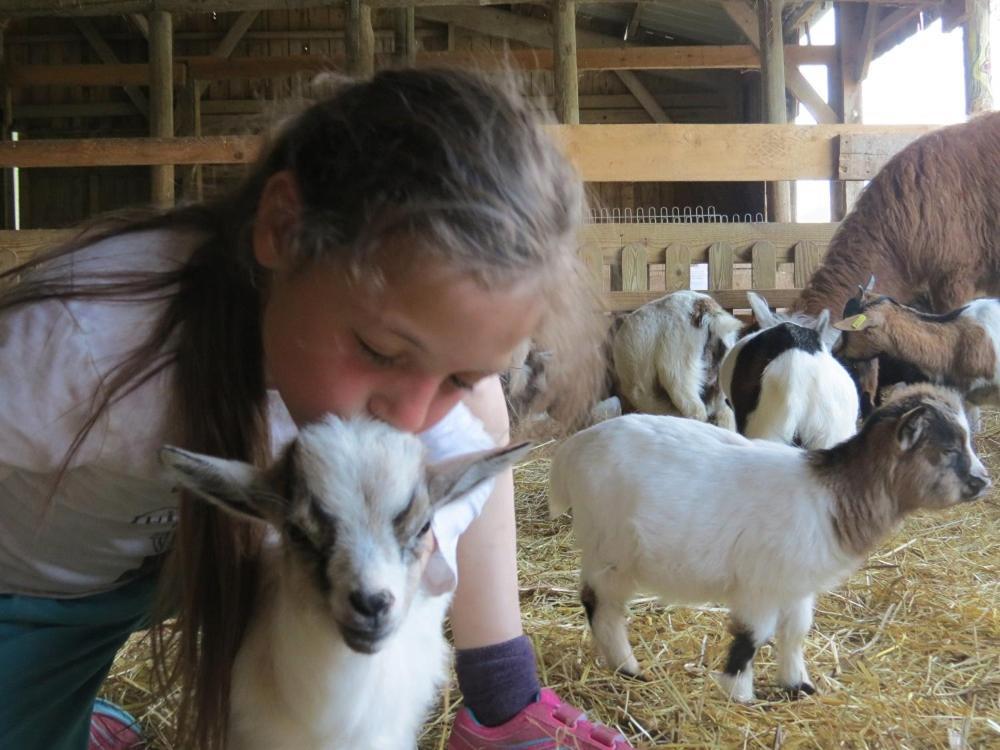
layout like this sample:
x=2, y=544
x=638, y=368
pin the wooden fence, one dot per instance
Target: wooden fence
x=634, y=263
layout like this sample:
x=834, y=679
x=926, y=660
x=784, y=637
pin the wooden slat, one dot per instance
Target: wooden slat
x=720, y=266
x=764, y=268
x=808, y=256
x=601, y=153
x=729, y=298
x=18, y=246
x=697, y=237
x=594, y=262
x=635, y=271
x=676, y=267
x=113, y=152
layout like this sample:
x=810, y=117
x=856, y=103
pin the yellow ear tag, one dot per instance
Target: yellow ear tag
x=859, y=321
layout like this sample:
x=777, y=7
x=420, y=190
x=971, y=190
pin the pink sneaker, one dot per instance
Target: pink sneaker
x=546, y=724
x=113, y=728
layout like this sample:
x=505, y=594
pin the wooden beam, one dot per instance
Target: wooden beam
x=847, y=90
x=75, y=8
x=894, y=20
x=740, y=12
x=566, y=78
x=867, y=44
x=360, y=40
x=210, y=68
x=161, y=103
x=861, y=154
x=633, y=22
x=141, y=24
x=405, y=37
x=108, y=56
x=772, y=78
x=644, y=96
x=978, y=96
x=602, y=153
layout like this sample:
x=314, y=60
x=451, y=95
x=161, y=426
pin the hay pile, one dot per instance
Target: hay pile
x=906, y=654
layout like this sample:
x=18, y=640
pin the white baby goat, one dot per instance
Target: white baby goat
x=694, y=513
x=341, y=623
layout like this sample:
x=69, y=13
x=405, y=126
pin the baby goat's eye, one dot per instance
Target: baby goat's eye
x=424, y=529
x=297, y=536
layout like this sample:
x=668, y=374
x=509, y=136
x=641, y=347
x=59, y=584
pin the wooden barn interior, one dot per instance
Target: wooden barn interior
x=677, y=114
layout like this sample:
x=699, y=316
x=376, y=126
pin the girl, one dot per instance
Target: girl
x=393, y=246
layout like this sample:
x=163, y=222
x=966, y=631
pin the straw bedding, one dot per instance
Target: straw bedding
x=906, y=654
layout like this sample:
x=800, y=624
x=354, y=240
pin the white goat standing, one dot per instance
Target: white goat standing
x=784, y=385
x=341, y=623
x=667, y=355
x=694, y=513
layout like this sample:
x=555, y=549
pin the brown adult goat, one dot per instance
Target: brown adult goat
x=927, y=226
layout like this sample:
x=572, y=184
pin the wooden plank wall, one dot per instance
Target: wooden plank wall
x=239, y=106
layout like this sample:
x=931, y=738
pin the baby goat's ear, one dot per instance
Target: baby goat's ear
x=449, y=480
x=911, y=427
x=859, y=322
x=761, y=311
x=234, y=486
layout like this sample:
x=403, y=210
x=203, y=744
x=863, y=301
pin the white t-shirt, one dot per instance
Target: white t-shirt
x=114, y=508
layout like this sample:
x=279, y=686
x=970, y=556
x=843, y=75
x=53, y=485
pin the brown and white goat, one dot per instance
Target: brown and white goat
x=958, y=349
x=927, y=226
x=693, y=513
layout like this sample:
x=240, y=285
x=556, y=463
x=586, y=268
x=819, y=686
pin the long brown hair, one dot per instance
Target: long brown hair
x=453, y=159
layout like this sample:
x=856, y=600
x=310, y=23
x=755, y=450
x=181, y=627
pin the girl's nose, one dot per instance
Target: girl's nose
x=406, y=407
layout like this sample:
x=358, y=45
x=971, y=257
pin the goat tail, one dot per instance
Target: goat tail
x=559, y=499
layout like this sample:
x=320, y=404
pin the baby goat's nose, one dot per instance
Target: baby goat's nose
x=371, y=604
x=975, y=484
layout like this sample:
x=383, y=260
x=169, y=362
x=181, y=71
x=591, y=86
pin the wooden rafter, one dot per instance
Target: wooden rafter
x=22, y=8
x=108, y=56
x=867, y=46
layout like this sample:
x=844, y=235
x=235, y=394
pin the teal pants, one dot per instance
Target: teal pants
x=54, y=654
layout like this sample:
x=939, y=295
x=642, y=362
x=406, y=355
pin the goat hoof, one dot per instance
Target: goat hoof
x=797, y=691
x=638, y=676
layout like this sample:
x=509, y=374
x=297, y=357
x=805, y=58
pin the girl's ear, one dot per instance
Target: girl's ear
x=276, y=221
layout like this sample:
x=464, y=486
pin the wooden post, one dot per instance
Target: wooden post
x=564, y=63
x=845, y=93
x=978, y=96
x=161, y=99
x=406, y=37
x=191, y=176
x=360, y=40
x=772, y=76
x=8, y=216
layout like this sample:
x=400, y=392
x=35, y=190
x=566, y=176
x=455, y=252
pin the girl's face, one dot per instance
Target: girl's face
x=404, y=353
